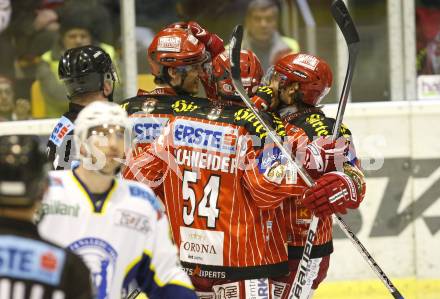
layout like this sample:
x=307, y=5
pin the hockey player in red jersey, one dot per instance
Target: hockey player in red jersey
x=251, y=75
x=177, y=56
x=221, y=196
x=298, y=83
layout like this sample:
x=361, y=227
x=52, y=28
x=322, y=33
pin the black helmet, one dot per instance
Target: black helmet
x=84, y=70
x=23, y=175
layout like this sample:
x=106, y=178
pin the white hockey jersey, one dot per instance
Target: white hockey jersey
x=123, y=238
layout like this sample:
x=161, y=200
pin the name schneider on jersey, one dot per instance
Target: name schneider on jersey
x=209, y=146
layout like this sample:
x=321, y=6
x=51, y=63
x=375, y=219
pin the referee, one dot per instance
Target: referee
x=31, y=267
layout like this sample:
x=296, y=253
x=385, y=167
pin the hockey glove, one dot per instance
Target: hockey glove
x=334, y=192
x=263, y=98
x=322, y=155
x=213, y=43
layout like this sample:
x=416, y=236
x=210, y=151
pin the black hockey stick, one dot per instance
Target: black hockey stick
x=234, y=54
x=346, y=25
x=351, y=37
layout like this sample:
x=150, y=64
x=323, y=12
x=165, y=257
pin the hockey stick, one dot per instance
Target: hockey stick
x=351, y=37
x=346, y=25
x=234, y=54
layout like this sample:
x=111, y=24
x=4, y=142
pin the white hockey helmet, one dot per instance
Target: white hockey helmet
x=98, y=114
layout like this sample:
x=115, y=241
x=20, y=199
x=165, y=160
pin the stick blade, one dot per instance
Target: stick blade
x=345, y=22
x=234, y=51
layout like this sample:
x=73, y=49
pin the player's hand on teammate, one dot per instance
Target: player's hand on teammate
x=213, y=43
x=265, y=98
x=334, y=192
x=323, y=155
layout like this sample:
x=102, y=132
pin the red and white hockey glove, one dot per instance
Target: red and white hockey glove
x=263, y=98
x=322, y=155
x=213, y=43
x=334, y=192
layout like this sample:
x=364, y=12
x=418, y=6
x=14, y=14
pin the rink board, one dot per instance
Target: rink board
x=399, y=220
x=410, y=288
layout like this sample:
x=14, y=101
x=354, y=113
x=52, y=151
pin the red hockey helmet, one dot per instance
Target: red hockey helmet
x=311, y=72
x=174, y=47
x=251, y=73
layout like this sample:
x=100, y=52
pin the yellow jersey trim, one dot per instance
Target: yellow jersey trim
x=90, y=201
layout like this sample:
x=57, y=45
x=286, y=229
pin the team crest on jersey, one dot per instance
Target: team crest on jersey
x=214, y=113
x=275, y=167
x=100, y=258
x=149, y=105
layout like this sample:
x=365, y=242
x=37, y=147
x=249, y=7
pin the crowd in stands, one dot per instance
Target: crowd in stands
x=35, y=33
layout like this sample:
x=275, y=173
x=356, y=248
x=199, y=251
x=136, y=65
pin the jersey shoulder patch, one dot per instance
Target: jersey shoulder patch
x=144, y=193
x=62, y=128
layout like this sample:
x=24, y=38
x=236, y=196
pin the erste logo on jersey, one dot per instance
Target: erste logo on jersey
x=62, y=128
x=147, y=129
x=205, y=136
x=100, y=258
x=30, y=260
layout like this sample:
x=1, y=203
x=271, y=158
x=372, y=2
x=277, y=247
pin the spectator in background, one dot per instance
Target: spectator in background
x=261, y=33
x=10, y=109
x=428, y=37
x=5, y=14
x=33, y=29
x=6, y=50
x=77, y=29
x=32, y=267
x=6, y=99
